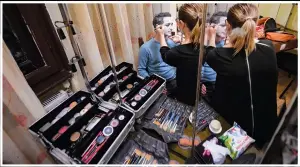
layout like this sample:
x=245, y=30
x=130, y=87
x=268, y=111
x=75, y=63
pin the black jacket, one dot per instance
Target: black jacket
x=232, y=90
x=185, y=59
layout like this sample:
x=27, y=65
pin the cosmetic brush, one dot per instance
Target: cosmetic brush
x=147, y=159
x=173, y=127
x=138, y=153
x=158, y=114
x=142, y=158
x=164, y=120
x=166, y=125
x=172, y=122
x=157, y=121
x=169, y=120
x=129, y=157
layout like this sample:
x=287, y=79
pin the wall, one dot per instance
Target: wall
x=286, y=15
x=21, y=108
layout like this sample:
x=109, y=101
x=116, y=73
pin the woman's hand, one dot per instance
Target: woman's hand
x=176, y=38
x=212, y=31
x=159, y=30
x=161, y=37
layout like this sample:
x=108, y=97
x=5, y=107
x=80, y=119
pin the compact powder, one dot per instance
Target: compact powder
x=100, y=139
x=108, y=130
x=129, y=86
x=121, y=117
x=75, y=136
x=114, y=123
x=137, y=97
x=133, y=104
x=143, y=92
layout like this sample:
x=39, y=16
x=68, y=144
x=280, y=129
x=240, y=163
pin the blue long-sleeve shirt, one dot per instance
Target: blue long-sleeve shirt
x=150, y=61
x=208, y=74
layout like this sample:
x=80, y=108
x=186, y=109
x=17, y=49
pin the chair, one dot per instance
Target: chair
x=289, y=63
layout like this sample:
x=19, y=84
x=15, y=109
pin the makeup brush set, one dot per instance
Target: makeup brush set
x=142, y=149
x=79, y=131
x=168, y=118
x=205, y=115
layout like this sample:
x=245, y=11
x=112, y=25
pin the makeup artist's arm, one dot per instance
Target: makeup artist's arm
x=160, y=32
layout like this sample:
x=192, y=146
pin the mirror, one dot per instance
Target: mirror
x=147, y=46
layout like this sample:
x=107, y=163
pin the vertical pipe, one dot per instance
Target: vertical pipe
x=199, y=75
x=110, y=46
x=66, y=17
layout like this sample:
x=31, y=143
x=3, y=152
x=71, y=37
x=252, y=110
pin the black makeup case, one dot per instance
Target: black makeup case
x=130, y=84
x=144, y=94
x=69, y=137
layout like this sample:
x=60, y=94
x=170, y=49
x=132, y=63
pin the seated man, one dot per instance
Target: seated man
x=150, y=61
x=208, y=74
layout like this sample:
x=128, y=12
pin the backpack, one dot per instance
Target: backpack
x=264, y=25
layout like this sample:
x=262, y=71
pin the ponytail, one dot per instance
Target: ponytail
x=243, y=38
x=196, y=32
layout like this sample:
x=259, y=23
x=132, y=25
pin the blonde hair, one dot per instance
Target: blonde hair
x=191, y=14
x=243, y=18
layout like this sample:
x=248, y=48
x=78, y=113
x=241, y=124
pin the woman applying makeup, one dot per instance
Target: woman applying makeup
x=246, y=84
x=185, y=56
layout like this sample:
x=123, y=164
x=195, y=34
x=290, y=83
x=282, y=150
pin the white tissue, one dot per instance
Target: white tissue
x=218, y=152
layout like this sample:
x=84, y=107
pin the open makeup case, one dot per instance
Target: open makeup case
x=82, y=131
x=137, y=93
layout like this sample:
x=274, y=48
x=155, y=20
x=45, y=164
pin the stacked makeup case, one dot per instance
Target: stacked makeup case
x=78, y=132
x=81, y=131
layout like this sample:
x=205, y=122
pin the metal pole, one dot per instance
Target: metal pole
x=65, y=15
x=198, y=97
x=110, y=46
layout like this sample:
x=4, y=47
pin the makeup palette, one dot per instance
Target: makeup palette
x=137, y=97
x=143, y=92
x=75, y=136
x=114, y=123
x=108, y=130
x=129, y=86
x=121, y=117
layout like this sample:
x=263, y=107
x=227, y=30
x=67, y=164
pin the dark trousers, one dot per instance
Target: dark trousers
x=210, y=88
x=171, y=86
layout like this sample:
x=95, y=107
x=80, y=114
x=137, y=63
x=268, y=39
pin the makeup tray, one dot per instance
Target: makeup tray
x=67, y=138
x=130, y=84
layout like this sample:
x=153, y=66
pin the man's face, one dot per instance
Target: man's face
x=221, y=30
x=168, y=26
